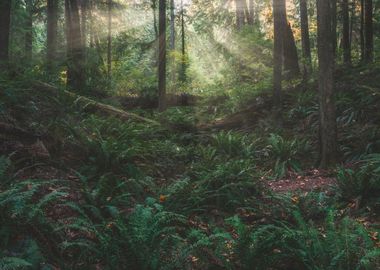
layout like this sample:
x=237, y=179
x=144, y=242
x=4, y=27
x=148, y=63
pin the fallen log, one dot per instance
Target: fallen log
x=94, y=106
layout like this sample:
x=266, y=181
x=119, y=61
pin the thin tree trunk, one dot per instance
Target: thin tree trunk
x=334, y=24
x=109, y=40
x=240, y=13
x=172, y=40
x=84, y=14
x=162, y=57
x=346, y=33
x=368, y=49
x=328, y=130
x=52, y=24
x=29, y=31
x=91, y=19
x=5, y=20
x=183, y=49
x=362, y=45
x=251, y=12
x=305, y=38
x=279, y=11
x=154, y=8
x=75, y=57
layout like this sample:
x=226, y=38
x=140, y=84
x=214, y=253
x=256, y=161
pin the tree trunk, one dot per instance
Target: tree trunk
x=83, y=22
x=291, y=65
x=172, y=40
x=334, y=24
x=328, y=129
x=182, y=75
x=5, y=20
x=154, y=8
x=75, y=55
x=362, y=45
x=346, y=33
x=29, y=31
x=109, y=40
x=305, y=38
x=91, y=19
x=162, y=57
x=368, y=35
x=279, y=19
x=240, y=13
x=251, y=12
x=51, y=42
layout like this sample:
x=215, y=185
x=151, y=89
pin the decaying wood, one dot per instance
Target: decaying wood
x=94, y=106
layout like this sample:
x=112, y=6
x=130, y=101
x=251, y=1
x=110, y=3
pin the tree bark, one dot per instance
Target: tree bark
x=334, y=24
x=172, y=41
x=182, y=75
x=368, y=49
x=162, y=57
x=305, y=38
x=328, y=129
x=362, y=44
x=109, y=40
x=279, y=19
x=5, y=20
x=346, y=33
x=51, y=41
x=291, y=65
x=75, y=54
x=29, y=31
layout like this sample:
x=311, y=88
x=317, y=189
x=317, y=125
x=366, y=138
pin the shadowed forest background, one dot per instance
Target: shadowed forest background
x=189, y=134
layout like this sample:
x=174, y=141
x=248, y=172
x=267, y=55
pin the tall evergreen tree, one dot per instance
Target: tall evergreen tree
x=29, y=5
x=75, y=52
x=368, y=32
x=5, y=19
x=334, y=25
x=291, y=65
x=305, y=38
x=279, y=19
x=162, y=57
x=328, y=129
x=52, y=31
x=346, y=45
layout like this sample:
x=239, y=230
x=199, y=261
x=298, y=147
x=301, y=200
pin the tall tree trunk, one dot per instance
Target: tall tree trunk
x=346, y=33
x=251, y=12
x=362, y=45
x=368, y=49
x=172, y=40
x=109, y=40
x=83, y=22
x=91, y=5
x=240, y=13
x=154, y=8
x=29, y=31
x=51, y=41
x=305, y=38
x=279, y=19
x=182, y=76
x=328, y=129
x=162, y=57
x=75, y=57
x=291, y=65
x=334, y=24
x=5, y=20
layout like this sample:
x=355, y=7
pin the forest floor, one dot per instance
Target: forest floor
x=79, y=183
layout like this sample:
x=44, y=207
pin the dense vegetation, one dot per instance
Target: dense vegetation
x=189, y=134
